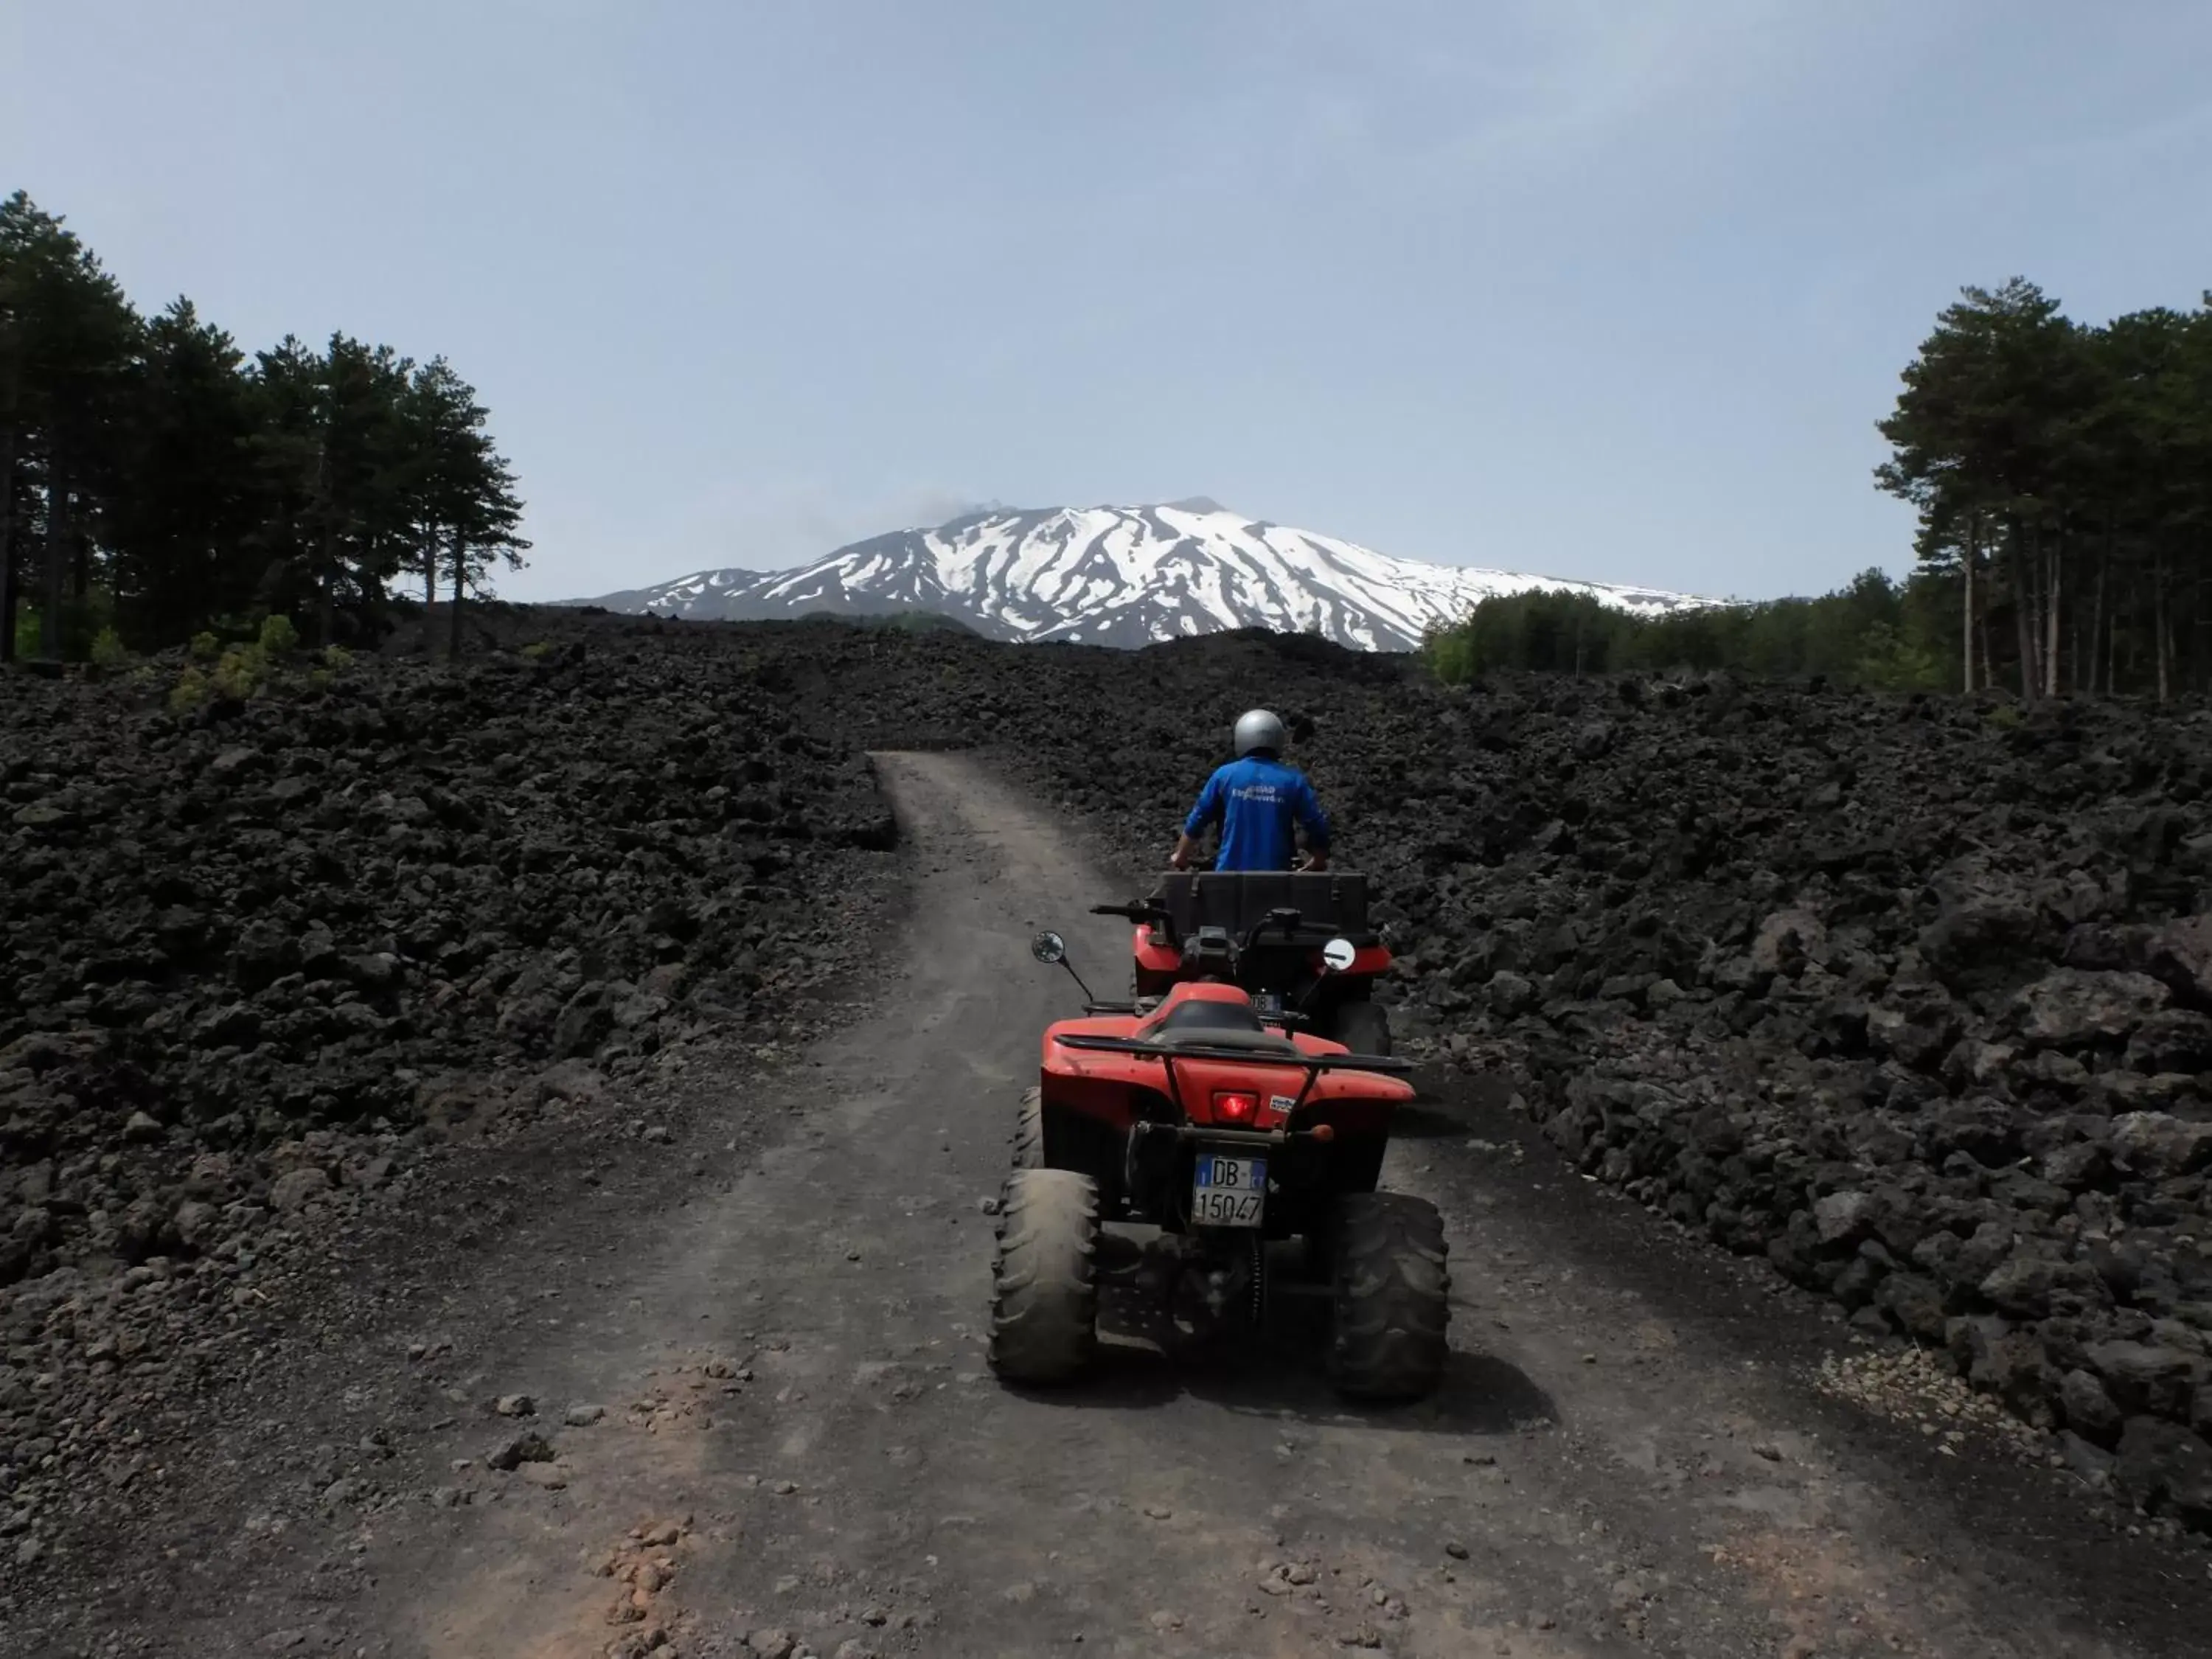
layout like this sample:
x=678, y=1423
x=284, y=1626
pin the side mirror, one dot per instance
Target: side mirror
x=1339, y=954
x=1051, y=949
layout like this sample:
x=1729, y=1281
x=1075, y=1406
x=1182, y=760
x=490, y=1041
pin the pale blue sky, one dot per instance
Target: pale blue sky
x=1591, y=288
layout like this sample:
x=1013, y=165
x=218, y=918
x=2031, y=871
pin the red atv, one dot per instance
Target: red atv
x=1265, y=931
x=1227, y=1132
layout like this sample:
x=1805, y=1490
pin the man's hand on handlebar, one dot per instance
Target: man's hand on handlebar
x=1314, y=862
x=1185, y=848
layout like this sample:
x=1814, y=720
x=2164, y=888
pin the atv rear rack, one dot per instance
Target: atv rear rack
x=1312, y=1065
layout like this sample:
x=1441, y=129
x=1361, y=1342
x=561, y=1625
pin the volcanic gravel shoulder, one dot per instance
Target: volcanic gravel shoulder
x=263, y=964
x=375, y=1336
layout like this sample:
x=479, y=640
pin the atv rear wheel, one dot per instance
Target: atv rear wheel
x=1029, y=1131
x=1391, y=1287
x=1362, y=1027
x=1044, y=1287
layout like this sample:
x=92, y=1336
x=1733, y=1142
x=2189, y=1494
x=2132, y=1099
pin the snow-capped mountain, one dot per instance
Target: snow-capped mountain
x=1119, y=575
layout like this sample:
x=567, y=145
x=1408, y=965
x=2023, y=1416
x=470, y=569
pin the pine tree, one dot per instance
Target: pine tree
x=150, y=466
x=1987, y=439
x=466, y=515
x=67, y=338
x=332, y=454
x=178, y=529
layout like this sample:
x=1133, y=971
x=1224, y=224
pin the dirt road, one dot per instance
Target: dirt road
x=798, y=1433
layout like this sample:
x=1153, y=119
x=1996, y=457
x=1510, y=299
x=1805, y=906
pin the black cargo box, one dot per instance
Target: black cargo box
x=1327, y=902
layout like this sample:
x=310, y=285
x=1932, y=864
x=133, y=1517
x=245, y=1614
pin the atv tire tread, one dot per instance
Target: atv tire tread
x=1029, y=1131
x=1044, y=1287
x=1391, y=1291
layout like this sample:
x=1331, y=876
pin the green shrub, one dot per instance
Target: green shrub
x=1890, y=662
x=190, y=690
x=278, y=637
x=538, y=650
x=83, y=621
x=336, y=658
x=240, y=672
x=206, y=647
x=108, y=650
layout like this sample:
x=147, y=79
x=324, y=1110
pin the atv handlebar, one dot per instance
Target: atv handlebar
x=1288, y=923
x=1133, y=912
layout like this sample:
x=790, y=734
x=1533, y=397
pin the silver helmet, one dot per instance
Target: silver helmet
x=1258, y=729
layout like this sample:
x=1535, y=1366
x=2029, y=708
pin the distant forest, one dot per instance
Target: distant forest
x=2062, y=476
x=1892, y=635
x=158, y=485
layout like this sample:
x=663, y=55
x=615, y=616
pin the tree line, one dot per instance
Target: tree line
x=2062, y=474
x=158, y=484
x=1873, y=632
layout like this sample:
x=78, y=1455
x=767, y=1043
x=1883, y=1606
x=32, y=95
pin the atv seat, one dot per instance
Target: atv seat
x=1216, y=1024
x=1240, y=900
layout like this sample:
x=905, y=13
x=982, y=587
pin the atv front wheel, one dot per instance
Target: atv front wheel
x=1362, y=1027
x=1028, y=1130
x=1044, y=1286
x=1391, y=1287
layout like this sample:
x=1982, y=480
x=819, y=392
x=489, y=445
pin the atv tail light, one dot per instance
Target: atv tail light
x=1235, y=1105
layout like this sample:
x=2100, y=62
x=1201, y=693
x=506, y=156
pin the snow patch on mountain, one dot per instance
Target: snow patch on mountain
x=1122, y=576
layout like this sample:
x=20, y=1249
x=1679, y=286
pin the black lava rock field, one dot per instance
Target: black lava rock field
x=1910, y=997
x=257, y=960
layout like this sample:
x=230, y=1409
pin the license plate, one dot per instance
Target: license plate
x=1228, y=1192
x=1267, y=1002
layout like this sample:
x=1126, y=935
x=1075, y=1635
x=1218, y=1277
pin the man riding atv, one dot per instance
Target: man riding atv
x=1241, y=1098
x=1256, y=799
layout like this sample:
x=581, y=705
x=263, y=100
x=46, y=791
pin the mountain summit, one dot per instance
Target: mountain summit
x=1119, y=575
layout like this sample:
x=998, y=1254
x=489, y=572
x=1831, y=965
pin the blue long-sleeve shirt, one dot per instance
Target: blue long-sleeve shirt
x=1255, y=800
